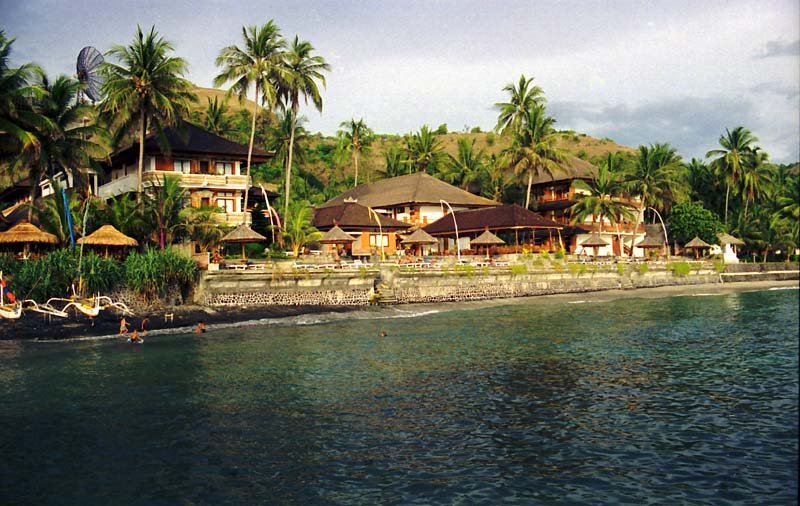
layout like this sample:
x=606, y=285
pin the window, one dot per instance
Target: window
x=227, y=201
x=182, y=166
x=225, y=168
x=203, y=166
x=374, y=240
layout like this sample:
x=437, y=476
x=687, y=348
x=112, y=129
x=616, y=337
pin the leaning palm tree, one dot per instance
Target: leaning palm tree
x=656, y=177
x=354, y=138
x=731, y=158
x=145, y=90
x=255, y=65
x=299, y=75
x=534, y=149
x=287, y=130
x=522, y=98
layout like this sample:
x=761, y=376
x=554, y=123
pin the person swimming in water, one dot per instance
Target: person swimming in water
x=384, y=333
x=135, y=336
x=201, y=327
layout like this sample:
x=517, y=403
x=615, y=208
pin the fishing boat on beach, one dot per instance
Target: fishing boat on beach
x=11, y=311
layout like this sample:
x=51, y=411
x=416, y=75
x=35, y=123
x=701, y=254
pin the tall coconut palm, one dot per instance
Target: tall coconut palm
x=394, y=163
x=165, y=201
x=424, y=151
x=468, y=166
x=730, y=159
x=521, y=99
x=203, y=226
x=300, y=76
x=255, y=65
x=755, y=177
x=215, y=118
x=298, y=230
x=534, y=148
x=656, y=177
x=495, y=182
x=65, y=143
x=145, y=90
x=286, y=131
x=602, y=198
x=354, y=138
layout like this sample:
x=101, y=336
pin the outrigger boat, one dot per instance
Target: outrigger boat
x=91, y=306
x=11, y=311
x=32, y=305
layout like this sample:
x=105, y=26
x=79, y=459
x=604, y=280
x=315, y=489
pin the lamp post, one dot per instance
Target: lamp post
x=458, y=246
x=664, y=228
x=373, y=214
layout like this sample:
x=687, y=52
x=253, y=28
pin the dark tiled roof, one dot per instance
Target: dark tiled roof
x=575, y=169
x=505, y=217
x=353, y=216
x=417, y=188
x=190, y=139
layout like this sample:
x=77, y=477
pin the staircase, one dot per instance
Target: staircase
x=385, y=296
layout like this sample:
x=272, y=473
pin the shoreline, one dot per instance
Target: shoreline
x=185, y=318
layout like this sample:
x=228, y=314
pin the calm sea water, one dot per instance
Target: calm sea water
x=690, y=400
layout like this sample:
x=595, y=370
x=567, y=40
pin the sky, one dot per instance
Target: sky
x=637, y=72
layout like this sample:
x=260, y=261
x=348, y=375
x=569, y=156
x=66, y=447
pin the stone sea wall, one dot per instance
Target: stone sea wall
x=354, y=288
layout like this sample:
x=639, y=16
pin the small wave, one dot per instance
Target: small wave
x=577, y=302
x=784, y=288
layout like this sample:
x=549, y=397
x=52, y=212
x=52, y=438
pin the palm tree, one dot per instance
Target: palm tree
x=522, y=98
x=602, y=197
x=467, y=167
x=533, y=149
x=125, y=214
x=256, y=65
x=756, y=176
x=394, y=163
x=146, y=89
x=730, y=159
x=215, y=119
x=354, y=138
x=297, y=229
x=66, y=142
x=202, y=225
x=656, y=178
x=424, y=151
x=299, y=75
x=495, y=182
x=164, y=202
x=287, y=130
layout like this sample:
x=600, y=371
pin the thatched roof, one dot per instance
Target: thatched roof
x=650, y=241
x=507, y=217
x=594, y=241
x=353, y=216
x=336, y=236
x=243, y=234
x=486, y=239
x=411, y=189
x=696, y=243
x=26, y=233
x=729, y=239
x=573, y=168
x=107, y=235
x=419, y=237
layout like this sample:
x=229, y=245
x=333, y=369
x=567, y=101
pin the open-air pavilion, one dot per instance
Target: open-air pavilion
x=108, y=237
x=697, y=245
x=25, y=235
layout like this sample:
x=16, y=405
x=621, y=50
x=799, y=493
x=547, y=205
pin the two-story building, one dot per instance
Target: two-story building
x=210, y=167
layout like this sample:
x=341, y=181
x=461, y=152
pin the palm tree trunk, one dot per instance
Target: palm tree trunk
x=355, y=161
x=528, y=194
x=289, y=167
x=140, y=171
x=636, y=227
x=33, y=197
x=250, y=156
x=727, y=194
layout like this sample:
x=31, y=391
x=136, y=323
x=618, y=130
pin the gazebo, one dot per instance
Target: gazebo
x=594, y=241
x=242, y=235
x=729, y=244
x=487, y=239
x=26, y=234
x=651, y=243
x=696, y=244
x=418, y=238
x=108, y=236
x=337, y=236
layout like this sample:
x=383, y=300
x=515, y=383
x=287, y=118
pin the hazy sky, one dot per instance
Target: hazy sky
x=638, y=72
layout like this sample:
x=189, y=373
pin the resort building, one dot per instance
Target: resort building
x=416, y=199
x=370, y=231
x=552, y=196
x=209, y=167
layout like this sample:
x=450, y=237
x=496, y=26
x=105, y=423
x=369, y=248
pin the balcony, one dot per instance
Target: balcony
x=230, y=219
x=128, y=183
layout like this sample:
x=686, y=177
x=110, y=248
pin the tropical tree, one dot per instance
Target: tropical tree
x=255, y=65
x=145, y=90
x=467, y=168
x=534, y=147
x=298, y=76
x=66, y=142
x=297, y=229
x=495, y=182
x=689, y=219
x=52, y=214
x=755, y=177
x=124, y=213
x=288, y=130
x=424, y=151
x=202, y=225
x=602, y=198
x=394, y=163
x=522, y=98
x=215, y=118
x=165, y=201
x=354, y=138
x=656, y=177
x=730, y=159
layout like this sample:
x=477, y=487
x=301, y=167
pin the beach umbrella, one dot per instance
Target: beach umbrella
x=243, y=235
x=336, y=236
x=26, y=234
x=108, y=236
x=418, y=238
x=486, y=239
x=650, y=242
x=696, y=244
x=595, y=242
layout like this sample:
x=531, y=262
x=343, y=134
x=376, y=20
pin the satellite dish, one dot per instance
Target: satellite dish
x=88, y=67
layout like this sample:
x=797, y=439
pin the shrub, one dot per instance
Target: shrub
x=621, y=269
x=441, y=129
x=469, y=270
x=490, y=139
x=519, y=269
x=679, y=269
x=49, y=276
x=575, y=269
x=153, y=272
x=100, y=275
x=719, y=266
x=643, y=268
x=559, y=255
x=475, y=130
x=582, y=154
x=557, y=265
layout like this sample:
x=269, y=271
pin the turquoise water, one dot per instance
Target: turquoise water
x=690, y=400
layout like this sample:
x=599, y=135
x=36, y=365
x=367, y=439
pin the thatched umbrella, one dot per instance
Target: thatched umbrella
x=418, y=238
x=107, y=236
x=26, y=234
x=594, y=241
x=242, y=235
x=696, y=244
x=336, y=236
x=729, y=239
x=486, y=239
x=650, y=242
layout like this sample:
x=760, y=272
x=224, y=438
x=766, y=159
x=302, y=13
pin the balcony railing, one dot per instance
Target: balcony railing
x=202, y=180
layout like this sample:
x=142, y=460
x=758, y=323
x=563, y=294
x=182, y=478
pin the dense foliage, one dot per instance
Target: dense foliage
x=154, y=272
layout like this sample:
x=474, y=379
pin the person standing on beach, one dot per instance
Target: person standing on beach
x=123, y=326
x=145, y=322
